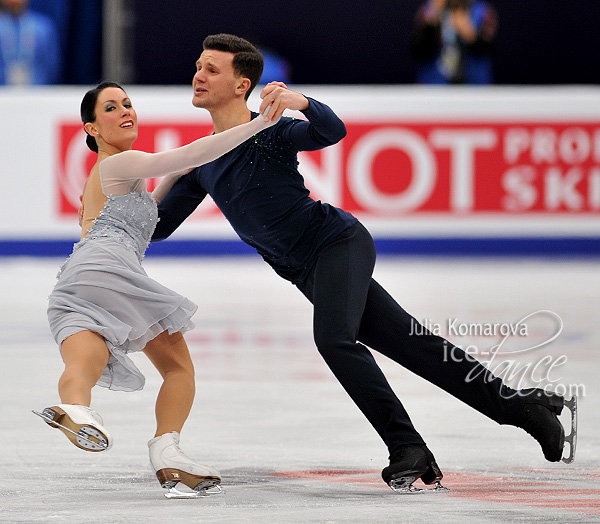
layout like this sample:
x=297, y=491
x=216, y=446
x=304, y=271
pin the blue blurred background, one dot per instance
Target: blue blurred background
x=350, y=42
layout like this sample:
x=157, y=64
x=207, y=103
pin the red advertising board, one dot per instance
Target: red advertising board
x=388, y=169
x=76, y=160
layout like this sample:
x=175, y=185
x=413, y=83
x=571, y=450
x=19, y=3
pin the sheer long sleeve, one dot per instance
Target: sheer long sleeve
x=122, y=173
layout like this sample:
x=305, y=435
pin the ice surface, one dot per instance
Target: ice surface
x=292, y=448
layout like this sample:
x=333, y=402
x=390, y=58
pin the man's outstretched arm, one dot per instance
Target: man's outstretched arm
x=180, y=203
x=323, y=128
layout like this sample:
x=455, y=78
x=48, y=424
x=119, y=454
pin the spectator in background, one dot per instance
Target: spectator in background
x=29, y=49
x=276, y=69
x=453, y=40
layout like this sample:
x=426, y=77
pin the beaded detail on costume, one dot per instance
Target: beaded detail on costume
x=127, y=219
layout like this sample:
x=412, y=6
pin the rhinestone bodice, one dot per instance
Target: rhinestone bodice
x=127, y=219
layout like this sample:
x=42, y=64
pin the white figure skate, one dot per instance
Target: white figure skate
x=82, y=425
x=172, y=466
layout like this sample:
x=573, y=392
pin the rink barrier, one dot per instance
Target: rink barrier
x=475, y=172
x=563, y=247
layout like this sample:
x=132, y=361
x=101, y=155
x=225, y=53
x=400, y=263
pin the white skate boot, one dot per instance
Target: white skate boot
x=82, y=425
x=172, y=466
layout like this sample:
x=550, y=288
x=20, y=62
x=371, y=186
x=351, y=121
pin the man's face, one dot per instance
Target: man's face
x=215, y=82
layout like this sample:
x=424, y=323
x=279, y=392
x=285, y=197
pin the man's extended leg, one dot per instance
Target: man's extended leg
x=337, y=287
x=387, y=328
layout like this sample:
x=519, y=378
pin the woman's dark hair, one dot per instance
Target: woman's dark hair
x=88, y=110
x=247, y=60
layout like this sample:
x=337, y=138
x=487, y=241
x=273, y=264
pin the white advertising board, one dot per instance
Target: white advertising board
x=417, y=161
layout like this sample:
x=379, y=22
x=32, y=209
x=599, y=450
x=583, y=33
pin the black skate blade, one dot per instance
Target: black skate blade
x=571, y=438
x=202, y=490
x=81, y=436
x=404, y=489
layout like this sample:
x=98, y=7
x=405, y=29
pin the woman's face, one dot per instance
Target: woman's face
x=116, y=120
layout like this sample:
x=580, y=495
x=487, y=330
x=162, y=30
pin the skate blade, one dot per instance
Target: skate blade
x=571, y=439
x=87, y=438
x=404, y=489
x=194, y=486
x=198, y=492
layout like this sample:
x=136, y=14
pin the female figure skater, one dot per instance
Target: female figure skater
x=104, y=306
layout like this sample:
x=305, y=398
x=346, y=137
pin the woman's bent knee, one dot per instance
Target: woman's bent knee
x=169, y=353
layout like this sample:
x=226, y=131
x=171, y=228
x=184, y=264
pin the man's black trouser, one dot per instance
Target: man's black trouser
x=349, y=306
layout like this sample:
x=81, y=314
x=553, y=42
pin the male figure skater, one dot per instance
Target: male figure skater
x=330, y=256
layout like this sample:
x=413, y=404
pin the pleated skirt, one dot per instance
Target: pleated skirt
x=103, y=288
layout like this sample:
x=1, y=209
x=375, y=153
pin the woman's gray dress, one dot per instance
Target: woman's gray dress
x=102, y=287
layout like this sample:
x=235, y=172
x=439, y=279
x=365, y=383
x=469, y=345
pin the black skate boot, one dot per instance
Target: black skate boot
x=540, y=419
x=409, y=463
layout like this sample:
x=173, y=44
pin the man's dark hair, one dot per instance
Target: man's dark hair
x=247, y=60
